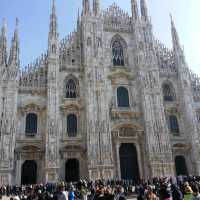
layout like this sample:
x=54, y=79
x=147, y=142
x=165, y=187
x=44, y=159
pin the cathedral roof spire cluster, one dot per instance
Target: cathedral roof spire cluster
x=87, y=8
x=3, y=44
x=143, y=10
x=14, y=50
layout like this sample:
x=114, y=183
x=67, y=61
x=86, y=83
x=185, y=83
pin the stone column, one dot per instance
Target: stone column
x=118, y=160
x=139, y=160
x=18, y=171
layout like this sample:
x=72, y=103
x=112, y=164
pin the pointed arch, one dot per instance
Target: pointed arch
x=31, y=124
x=71, y=87
x=123, y=97
x=119, y=51
x=169, y=93
x=173, y=124
x=72, y=125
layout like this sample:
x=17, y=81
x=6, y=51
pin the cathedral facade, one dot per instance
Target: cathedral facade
x=108, y=101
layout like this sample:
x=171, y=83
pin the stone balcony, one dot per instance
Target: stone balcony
x=123, y=113
x=22, y=137
x=71, y=103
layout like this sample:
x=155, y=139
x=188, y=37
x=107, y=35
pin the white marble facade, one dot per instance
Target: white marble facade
x=110, y=84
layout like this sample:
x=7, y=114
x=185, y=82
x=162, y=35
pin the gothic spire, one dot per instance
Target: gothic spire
x=96, y=7
x=175, y=37
x=144, y=10
x=53, y=22
x=3, y=44
x=14, y=50
x=86, y=7
x=78, y=20
x=134, y=8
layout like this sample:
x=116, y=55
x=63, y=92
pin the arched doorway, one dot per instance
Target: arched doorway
x=29, y=172
x=128, y=162
x=181, y=167
x=72, y=170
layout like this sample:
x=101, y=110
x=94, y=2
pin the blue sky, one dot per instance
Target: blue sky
x=34, y=23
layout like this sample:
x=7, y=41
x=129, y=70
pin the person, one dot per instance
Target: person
x=121, y=195
x=100, y=193
x=150, y=195
x=165, y=191
x=65, y=192
x=140, y=191
x=187, y=191
x=16, y=198
x=59, y=194
x=176, y=192
x=108, y=193
x=196, y=195
x=71, y=193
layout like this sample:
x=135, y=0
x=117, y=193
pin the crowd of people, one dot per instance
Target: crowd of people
x=180, y=188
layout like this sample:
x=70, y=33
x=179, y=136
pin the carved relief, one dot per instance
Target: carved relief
x=6, y=148
x=127, y=132
x=150, y=80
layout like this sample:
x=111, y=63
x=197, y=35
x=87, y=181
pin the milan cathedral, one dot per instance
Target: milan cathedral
x=108, y=101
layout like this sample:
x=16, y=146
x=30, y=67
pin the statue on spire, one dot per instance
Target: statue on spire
x=144, y=10
x=96, y=7
x=86, y=7
x=134, y=8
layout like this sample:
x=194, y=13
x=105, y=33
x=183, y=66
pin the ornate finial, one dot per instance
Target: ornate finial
x=134, y=8
x=96, y=7
x=3, y=44
x=4, y=28
x=175, y=37
x=16, y=28
x=144, y=10
x=53, y=21
x=78, y=19
x=86, y=7
x=17, y=22
x=54, y=7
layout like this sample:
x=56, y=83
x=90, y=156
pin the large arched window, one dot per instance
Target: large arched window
x=72, y=125
x=122, y=97
x=31, y=124
x=71, y=89
x=118, y=53
x=173, y=124
x=168, y=92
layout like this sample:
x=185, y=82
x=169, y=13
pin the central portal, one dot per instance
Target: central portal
x=72, y=170
x=180, y=164
x=128, y=162
x=29, y=172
